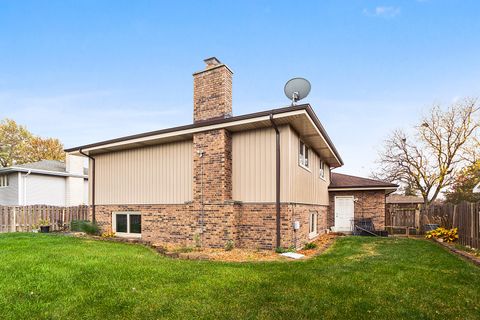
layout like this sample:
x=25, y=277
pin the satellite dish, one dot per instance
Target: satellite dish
x=296, y=89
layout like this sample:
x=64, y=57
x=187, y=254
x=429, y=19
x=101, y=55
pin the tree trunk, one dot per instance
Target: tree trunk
x=424, y=215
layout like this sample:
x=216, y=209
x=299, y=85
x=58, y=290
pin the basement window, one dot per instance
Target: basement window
x=3, y=180
x=312, y=224
x=303, y=155
x=127, y=224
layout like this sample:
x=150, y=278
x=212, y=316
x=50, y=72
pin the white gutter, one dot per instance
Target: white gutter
x=25, y=187
x=45, y=172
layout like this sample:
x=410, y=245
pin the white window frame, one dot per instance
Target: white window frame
x=313, y=224
x=304, y=157
x=321, y=170
x=4, y=181
x=125, y=234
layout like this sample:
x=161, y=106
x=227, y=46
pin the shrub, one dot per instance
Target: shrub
x=448, y=235
x=84, y=226
x=310, y=246
x=280, y=250
x=283, y=250
x=229, y=245
x=43, y=222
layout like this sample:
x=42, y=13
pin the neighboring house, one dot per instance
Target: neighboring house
x=260, y=180
x=46, y=182
x=404, y=200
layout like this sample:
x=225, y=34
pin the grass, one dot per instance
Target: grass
x=58, y=277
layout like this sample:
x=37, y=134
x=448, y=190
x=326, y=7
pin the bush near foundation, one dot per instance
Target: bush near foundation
x=85, y=226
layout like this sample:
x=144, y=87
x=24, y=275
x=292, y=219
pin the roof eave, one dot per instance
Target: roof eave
x=43, y=172
x=219, y=122
x=388, y=189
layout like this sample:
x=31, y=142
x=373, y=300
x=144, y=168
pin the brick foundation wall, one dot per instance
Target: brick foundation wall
x=248, y=225
x=370, y=204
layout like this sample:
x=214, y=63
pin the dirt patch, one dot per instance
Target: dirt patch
x=367, y=250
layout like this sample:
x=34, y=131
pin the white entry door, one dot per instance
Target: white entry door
x=344, y=212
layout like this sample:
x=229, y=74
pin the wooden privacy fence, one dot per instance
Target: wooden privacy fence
x=26, y=218
x=467, y=220
x=402, y=218
x=442, y=214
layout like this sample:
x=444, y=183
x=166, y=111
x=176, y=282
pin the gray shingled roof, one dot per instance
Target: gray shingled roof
x=48, y=165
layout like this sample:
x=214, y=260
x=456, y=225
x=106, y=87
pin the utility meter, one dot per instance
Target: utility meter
x=296, y=225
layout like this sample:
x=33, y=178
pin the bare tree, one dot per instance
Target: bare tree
x=440, y=146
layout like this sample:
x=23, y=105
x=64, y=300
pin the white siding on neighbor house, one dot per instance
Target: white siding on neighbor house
x=9, y=195
x=85, y=191
x=43, y=189
x=161, y=174
x=74, y=191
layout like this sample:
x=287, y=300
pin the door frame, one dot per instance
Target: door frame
x=335, y=211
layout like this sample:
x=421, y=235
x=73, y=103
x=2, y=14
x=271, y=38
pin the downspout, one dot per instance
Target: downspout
x=201, y=153
x=277, y=178
x=93, y=181
x=25, y=187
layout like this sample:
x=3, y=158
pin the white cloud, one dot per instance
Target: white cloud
x=382, y=11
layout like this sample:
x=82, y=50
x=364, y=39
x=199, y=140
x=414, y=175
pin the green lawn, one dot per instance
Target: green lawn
x=58, y=277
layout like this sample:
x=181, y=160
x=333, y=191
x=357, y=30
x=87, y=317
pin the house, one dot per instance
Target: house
x=260, y=180
x=46, y=182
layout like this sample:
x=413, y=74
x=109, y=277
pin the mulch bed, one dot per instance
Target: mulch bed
x=323, y=242
x=463, y=254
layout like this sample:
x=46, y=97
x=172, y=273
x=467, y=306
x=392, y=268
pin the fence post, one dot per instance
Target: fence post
x=14, y=218
x=417, y=218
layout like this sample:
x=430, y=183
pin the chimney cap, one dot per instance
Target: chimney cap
x=212, y=61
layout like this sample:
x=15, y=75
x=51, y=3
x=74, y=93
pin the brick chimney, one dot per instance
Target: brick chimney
x=212, y=91
x=212, y=155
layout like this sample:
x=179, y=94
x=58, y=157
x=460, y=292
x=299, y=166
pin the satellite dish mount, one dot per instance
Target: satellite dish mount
x=296, y=89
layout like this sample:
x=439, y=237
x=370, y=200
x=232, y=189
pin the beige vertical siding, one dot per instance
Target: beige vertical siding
x=307, y=186
x=159, y=174
x=163, y=174
x=254, y=169
x=253, y=164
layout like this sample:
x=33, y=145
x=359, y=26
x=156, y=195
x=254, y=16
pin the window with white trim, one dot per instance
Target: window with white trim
x=322, y=169
x=127, y=223
x=3, y=180
x=312, y=224
x=303, y=154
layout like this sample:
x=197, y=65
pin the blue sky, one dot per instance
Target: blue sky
x=85, y=71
